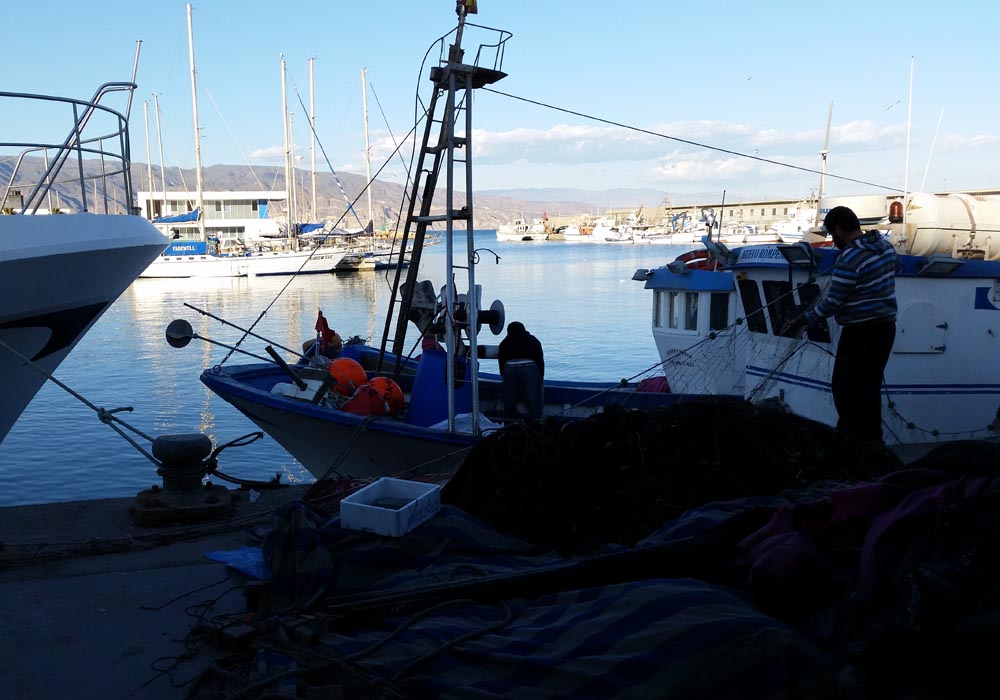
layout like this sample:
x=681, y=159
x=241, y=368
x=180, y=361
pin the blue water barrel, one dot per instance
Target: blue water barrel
x=429, y=398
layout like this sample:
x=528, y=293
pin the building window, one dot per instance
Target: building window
x=774, y=211
x=786, y=211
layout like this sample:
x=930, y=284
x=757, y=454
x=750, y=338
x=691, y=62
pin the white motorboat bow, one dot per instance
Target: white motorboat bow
x=63, y=265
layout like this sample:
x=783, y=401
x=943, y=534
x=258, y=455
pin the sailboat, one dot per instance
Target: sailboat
x=370, y=254
x=330, y=420
x=192, y=252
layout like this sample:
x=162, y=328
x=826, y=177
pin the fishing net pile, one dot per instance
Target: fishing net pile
x=619, y=475
x=625, y=555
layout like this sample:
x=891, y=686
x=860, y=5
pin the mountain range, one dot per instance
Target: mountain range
x=334, y=192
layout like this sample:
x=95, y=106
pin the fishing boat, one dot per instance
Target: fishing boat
x=717, y=315
x=67, y=250
x=519, y=230
x=329, y=415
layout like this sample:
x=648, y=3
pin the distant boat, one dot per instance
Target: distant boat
x=519, y=230
x=60, y=271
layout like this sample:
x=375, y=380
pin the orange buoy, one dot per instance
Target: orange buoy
x=367, y=401
x=393, y=395
x=348, y=374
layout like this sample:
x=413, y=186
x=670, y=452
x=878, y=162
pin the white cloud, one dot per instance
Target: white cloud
x=270, y=153
x=960, y=142
x=702, y=168
x=598, y=156
x=275, y=154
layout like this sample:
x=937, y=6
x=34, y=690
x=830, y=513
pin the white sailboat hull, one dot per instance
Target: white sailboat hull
x=257, y=264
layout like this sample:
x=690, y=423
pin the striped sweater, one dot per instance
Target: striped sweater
x=863, y=286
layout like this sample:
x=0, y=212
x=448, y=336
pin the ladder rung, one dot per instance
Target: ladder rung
x=457, y=215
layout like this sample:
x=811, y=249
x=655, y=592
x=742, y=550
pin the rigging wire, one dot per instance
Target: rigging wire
x=312, y=129
x=222, y=118
x=291, y=279
x=718, y=149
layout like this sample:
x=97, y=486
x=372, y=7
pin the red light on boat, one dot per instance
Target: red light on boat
x=896, y=213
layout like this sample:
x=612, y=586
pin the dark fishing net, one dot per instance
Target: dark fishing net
x=619, y=475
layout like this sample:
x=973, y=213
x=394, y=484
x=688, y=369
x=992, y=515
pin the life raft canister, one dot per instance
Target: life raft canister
x=348, y=375
x=367, y=401
x=391, y=392
x=699, y=260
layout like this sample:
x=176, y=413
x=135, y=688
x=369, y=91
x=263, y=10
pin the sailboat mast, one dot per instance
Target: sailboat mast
x=197, y=131
x=159, y=143
x=312, y=131
x=284, y=134
x=368, y=153
x=149, y=156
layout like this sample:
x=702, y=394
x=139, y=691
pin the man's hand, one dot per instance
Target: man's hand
x=793, y=326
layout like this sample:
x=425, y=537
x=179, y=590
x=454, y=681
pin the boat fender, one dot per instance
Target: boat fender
x=367, y=401
x=699, y=260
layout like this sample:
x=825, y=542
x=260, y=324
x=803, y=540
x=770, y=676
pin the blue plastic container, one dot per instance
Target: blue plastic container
x=429, y=398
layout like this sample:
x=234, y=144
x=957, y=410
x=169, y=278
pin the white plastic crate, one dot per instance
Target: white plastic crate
x=390, y=506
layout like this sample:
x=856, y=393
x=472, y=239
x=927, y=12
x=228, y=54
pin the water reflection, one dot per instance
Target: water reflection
x=578, y=299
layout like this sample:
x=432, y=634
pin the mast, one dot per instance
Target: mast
x=906, y=167
x=312, y=131
x=368, y=153
x=295, y=175
x=149, y=156
x=823, y=154
x=159, y=141
x=284, y=133
x=197, y=132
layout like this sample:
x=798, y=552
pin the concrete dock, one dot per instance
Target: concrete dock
x=94, y=606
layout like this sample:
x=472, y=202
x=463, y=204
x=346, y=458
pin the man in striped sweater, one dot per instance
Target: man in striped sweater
x=862, y=299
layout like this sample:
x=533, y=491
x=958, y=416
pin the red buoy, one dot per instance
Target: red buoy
x=393, y=395
x=349, y=375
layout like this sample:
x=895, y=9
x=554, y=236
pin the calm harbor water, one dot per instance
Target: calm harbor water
x=577, y=298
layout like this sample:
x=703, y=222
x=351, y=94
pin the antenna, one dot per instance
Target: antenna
x=923, y=182
x=825, y=152
x=906, y=167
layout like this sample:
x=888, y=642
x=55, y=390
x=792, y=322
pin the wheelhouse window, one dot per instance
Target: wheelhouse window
x=780, y=305
x=677, y=310
x=659, y=308
x=718, y=311
x=752, y=306
x=691, y=312
x=809, y=295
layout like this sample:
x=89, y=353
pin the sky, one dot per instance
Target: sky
x=654, y=94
